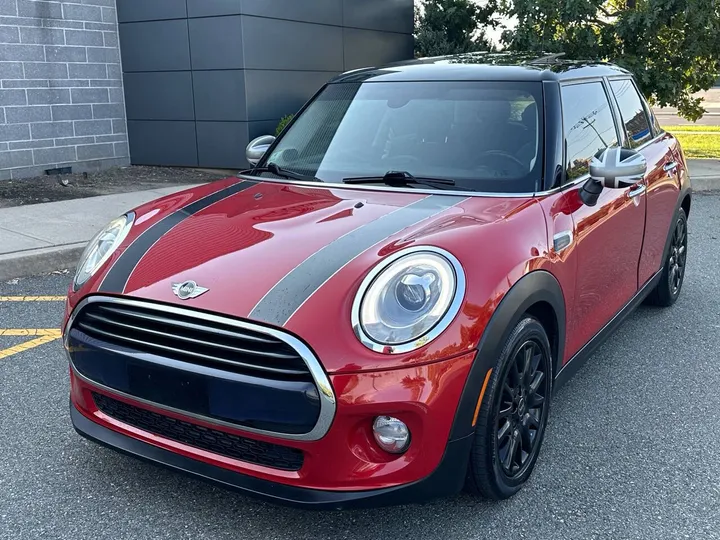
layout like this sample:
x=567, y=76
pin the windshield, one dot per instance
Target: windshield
x=484, y=136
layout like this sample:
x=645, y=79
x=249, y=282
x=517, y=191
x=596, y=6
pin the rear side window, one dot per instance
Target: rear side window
x=632, y=111
x=588, y=123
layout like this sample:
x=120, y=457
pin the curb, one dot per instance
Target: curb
x=39, y=261
x=705, y=183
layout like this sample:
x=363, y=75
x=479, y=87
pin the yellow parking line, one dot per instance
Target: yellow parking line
x=27, y=345
x=45, y=332
x=32, y=298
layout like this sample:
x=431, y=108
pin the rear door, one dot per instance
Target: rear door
x=642, y=133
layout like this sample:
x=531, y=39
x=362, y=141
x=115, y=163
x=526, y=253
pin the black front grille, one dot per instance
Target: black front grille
x=192, y=338
x=211, y=440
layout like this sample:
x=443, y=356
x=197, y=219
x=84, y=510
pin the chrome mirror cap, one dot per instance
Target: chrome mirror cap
x=257, y=148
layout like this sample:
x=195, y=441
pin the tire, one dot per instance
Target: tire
x=488, y=473
x=667, y=291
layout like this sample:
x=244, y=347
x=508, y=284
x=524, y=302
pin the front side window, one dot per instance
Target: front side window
x=632, y=111
x=484, y=136
x=589, y=125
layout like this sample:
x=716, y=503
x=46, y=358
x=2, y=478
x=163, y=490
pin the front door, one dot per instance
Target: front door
x=608, y=237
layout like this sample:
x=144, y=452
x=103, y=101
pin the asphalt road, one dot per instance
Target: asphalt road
x=632, y=450
x=711, y=118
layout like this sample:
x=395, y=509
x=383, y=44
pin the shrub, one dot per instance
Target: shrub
x=284, y=121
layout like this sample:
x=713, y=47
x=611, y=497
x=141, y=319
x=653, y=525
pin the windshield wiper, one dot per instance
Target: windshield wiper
x=273, y=168
x=400, y=178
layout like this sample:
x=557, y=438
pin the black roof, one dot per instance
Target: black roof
x=483, y=66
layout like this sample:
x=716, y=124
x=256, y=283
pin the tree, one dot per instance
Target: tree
x=452, y=26
x=672, y=46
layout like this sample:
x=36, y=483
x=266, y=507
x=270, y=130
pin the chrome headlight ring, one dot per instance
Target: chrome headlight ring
x=101, y=247
x=428, y=270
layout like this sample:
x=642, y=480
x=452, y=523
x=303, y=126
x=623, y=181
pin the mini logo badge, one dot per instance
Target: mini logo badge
x=187, y=290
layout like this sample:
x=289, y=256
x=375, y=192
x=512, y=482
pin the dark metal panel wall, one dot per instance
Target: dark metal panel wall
x=212, y=8
x=203, y=77
x=387, y=15
x=314, y=11
x=220, y=95
x=160, y=95
x=155, y=46
x=361, y=46
x=151, y=10
x=162, y=143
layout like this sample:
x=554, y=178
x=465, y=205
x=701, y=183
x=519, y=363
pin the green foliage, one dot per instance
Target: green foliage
x=284, y=121
x=672, y=46
x=452, y=26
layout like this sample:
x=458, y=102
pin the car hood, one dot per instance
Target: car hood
x=284, y=254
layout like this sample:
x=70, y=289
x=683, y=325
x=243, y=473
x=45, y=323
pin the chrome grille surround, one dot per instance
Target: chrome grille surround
x=325, y=391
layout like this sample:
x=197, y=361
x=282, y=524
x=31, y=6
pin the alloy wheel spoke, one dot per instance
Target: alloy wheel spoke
x=509, y=391
x=536, y=400
x=504, y=413
x=536, y=382
x=515, y=373
x=527, y=360
x=532, y=420
x=504, y=431
x=536, y=360
x=527, y=442
x=507, y=462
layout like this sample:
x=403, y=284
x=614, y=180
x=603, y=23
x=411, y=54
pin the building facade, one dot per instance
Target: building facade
x=90, y=84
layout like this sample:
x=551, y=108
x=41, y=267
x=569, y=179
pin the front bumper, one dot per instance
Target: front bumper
x=240, y=430
x=447, y=479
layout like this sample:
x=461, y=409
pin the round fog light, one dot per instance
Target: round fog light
x=391, y=434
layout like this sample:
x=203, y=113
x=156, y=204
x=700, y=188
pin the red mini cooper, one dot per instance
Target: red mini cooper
x=380, y=310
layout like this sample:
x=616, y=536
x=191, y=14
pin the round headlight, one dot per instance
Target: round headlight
x=408, y=300
x=101, y=247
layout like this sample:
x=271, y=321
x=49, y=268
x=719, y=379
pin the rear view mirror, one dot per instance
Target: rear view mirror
x=613, y=168
x=257, y=148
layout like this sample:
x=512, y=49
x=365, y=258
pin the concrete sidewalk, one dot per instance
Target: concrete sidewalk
x=41, y=238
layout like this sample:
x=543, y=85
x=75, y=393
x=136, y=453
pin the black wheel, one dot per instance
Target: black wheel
x=668, y=289
x=513, y=414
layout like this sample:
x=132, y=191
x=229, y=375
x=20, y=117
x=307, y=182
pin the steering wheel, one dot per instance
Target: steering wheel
x=517, y=167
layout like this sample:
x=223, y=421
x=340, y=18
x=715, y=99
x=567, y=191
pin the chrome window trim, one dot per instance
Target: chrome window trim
x=435, y=331
x=325, y=391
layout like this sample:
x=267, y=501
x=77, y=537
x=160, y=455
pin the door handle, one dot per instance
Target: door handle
x=670, y=166
x=639, y=190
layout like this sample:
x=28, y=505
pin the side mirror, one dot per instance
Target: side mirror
x=257, y=148
x=613, y=168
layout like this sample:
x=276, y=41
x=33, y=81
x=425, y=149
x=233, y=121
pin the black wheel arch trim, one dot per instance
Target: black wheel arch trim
x=535, y=287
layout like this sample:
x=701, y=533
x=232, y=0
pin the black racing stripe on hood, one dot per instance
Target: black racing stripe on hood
x=117, y=277
x=281, y=302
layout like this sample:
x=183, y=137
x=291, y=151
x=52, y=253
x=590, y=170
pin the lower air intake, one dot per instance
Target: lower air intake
x=211, y=440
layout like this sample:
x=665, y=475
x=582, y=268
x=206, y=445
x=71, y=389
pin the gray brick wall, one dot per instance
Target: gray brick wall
x=61, y=90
